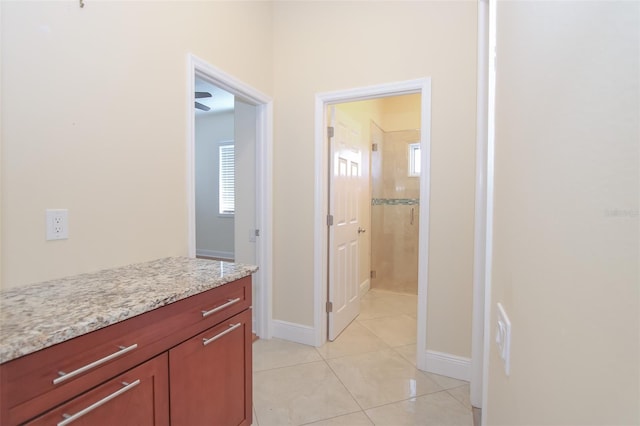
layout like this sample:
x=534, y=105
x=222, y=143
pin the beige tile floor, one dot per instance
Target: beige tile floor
x=367, y=376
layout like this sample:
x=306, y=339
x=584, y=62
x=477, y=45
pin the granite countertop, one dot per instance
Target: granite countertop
x=40, y=315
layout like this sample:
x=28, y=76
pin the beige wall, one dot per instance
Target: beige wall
x=114, y=104
x=401, y=113
x=372, y=43
x=566, y=254
x=94, y=120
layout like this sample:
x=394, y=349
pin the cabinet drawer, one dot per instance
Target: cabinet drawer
x=36, y=380
x=138, y=397
x=211, y=375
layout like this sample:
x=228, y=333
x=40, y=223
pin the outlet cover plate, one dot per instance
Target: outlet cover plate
x=57, y=224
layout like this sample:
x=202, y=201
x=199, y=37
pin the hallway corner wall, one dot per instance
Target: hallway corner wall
x=566, y=222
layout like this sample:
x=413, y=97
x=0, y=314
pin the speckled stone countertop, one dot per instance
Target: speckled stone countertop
x=36, y=316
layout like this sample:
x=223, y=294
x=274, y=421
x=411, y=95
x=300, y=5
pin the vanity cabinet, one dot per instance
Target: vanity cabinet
x=186, y=359
x=137, y=397
x=201, y=389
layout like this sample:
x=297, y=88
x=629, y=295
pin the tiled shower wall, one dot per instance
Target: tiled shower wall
x=395, y=209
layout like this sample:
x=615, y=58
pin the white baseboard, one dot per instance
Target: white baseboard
x=365, y=286
x=447, y=365
x=215, y=253
x=293, y=332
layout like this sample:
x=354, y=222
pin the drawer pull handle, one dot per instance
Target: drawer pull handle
x=221, y=307
x=232, y=327
x=68, y=418
x=66, y=376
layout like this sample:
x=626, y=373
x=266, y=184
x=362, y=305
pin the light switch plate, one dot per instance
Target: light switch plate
x=503, y=337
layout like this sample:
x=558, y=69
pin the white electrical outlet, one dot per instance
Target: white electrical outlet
x=57, y=224
x=503, y=337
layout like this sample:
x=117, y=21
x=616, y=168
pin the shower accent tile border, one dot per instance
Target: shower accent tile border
x=395, y=201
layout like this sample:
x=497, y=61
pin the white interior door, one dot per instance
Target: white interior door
x=245, y=182
x=344, y=187
x=245, y=191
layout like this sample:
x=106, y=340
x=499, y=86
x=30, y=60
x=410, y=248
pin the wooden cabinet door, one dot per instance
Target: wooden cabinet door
x=210, y=376
x=138, y=397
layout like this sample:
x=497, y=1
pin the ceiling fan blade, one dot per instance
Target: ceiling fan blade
x=202, y=106
x=203, y=95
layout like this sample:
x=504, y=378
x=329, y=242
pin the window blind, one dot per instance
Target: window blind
x=227, y=179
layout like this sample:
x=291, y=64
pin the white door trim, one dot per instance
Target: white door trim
x=488, y=247
x=479, y=258
x=422, y=86
x=264, y=160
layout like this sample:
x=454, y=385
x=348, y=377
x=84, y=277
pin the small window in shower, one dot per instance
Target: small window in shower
x=414, y=159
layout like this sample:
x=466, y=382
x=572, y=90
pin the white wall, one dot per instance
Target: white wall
x=94, y=113
x=245, y=182
x=566, y=225
x=214, y=233
x=369, y=43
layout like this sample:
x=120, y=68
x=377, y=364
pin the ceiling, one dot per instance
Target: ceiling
x=220, y=101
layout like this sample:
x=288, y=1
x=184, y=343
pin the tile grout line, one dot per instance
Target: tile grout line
x=289, y=366
x=392, y=402
x=255, y=415
x=387, y=348
x=410, y=398
x=461, y=403
x=359, y=353
x=345, y=386
x=334, y=417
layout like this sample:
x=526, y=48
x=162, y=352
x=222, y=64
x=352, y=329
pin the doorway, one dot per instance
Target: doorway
x=374, y=200
x=252, y=215
x=215, y=177
x=422, y=87
x=395, y=202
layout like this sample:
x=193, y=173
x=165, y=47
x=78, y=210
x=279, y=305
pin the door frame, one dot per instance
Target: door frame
x=322, y=100
x=487, y=32
x=264, y=160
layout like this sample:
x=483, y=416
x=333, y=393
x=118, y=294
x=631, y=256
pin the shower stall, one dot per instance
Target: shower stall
x=395, y=210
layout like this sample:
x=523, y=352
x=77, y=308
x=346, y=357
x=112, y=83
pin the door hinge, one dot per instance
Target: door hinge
x=373, y=274
x=374, y=147
x=329, y=220
x=330, y=131
x=257, y=233
x=329, y=307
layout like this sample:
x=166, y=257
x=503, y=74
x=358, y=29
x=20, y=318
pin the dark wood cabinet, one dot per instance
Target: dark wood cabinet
x=138, y=397
x=182, y=380
x=221, y=390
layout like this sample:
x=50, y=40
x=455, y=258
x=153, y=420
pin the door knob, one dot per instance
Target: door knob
x=361, y=230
